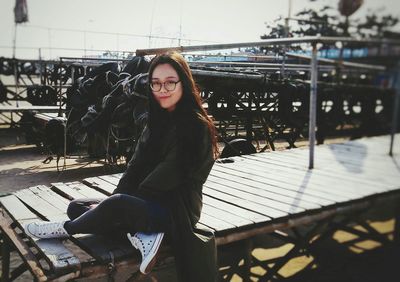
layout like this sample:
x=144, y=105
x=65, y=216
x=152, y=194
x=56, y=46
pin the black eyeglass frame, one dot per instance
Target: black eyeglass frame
x=174, y=83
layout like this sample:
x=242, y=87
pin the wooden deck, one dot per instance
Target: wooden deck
x=248, y=196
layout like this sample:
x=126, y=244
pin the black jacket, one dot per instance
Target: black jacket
x=181, y=193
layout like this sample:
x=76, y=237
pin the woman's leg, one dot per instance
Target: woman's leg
x=122, y=212
x=78, y=207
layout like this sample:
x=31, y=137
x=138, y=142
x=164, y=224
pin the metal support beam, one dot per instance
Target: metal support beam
x=395, y=110
x=313, y=105
x=268, y=42
x=362, y=66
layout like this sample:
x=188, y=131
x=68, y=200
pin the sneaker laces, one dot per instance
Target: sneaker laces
x=52, y=228
x=136, y=242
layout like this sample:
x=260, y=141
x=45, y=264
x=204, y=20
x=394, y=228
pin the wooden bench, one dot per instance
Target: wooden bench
x=47, y=109
x=255, y=195
x=12, y=114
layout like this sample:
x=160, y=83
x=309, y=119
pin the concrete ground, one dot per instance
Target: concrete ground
x=22, y=166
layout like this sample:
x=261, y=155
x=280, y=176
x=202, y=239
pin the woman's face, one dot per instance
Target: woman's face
x=165, y=76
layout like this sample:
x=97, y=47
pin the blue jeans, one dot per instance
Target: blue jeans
x=117, y=213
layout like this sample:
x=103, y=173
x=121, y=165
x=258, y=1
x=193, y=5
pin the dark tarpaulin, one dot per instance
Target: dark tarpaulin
x=20, y=11
x=348, y=7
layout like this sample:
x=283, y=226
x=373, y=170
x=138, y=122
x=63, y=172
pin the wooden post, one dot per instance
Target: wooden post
x=248, y=248
x=5, y=260
x=396, y=231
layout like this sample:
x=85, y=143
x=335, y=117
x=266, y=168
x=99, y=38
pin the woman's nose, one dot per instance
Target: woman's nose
x=163, y=89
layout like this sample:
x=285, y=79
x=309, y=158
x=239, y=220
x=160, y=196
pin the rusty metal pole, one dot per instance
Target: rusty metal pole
x=16, y=74
x=40, y=66
x=396, y=109
x=313, y=105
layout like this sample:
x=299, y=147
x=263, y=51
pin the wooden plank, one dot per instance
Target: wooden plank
x=233, y=219
x=361, y=183
x=318, y=180
x=44, y=208
x=298, y=155
x=280, y=188
x=248, y=193
x=359, y=149
x=51, y=197
x=87, y=191
x=99, y=184
x=367, y=176
x=61, y=258
x=218, y=191
x=56, y=254
x=110, y=179
x=307, y=179
x=32, y=197
x=6, y=108
x=356, y=159
x=253, y=188
x=252, y=216
x=357, y=186
x=26, y=254
x=214, y=223
x=383, y=168
x=376, y=145
x=17, y=209
x=202, y=226
x=118, y=175
x=304, y=180
x=67, y=191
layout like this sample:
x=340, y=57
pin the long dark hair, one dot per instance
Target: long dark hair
x=189, y=114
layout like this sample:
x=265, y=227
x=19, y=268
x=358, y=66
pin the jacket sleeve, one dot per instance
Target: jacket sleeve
x=141, y=113
x=130, y=180
x=165, y=177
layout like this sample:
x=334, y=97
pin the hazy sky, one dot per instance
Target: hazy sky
x=61, y=24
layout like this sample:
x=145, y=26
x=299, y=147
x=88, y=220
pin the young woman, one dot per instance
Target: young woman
x=161, y=190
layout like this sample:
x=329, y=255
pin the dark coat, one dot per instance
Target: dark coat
x=181, y=193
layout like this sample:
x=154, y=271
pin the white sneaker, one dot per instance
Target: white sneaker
x=148, y=245
x=46, y=229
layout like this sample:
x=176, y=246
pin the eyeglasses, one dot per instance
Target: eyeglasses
x=168, y=85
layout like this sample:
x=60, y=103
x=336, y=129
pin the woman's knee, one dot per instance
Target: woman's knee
x=79, y=206
x=75, y=209
x=112, y=202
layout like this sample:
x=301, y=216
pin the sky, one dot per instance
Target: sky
x=75, y=27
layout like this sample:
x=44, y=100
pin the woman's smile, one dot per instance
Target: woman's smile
x=163, y=97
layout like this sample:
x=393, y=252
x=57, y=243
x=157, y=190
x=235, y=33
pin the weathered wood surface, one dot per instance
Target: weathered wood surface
x=54, y=252
x=252, y=195
x=9, y=108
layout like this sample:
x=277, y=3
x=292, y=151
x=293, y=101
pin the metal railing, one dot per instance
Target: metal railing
x=314, y=41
